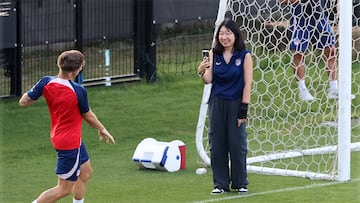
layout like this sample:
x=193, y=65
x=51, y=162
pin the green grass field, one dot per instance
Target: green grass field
x=166, y=110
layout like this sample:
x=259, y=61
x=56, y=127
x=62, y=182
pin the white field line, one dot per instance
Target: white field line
x=275, y=191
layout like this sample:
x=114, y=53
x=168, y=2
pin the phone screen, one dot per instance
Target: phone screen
x=205, y=53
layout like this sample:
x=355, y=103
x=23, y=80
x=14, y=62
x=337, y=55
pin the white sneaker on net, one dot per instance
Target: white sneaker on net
x=305, y=95
x=335, y=95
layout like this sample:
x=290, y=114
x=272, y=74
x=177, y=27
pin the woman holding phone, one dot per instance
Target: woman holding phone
x=229, y=68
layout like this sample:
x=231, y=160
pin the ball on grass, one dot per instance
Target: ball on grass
x=200, y=171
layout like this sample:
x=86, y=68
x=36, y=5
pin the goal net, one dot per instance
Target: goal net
x=286, y=135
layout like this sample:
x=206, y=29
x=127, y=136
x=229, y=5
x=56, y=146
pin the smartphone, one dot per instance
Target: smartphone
x=205, y=53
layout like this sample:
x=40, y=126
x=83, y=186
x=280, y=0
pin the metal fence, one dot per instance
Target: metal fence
x=121, y=40
x=102, y=30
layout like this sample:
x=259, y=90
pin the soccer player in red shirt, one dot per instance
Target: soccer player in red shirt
x=68, y=105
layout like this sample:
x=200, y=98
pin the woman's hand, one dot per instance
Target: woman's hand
x=205, y=64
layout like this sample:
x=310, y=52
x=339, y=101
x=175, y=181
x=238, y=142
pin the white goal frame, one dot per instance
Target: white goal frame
x=344, y=146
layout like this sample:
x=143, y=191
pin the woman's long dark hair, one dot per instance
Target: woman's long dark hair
x=231, y=25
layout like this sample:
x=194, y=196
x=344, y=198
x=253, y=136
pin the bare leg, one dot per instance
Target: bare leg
x=299, y=68
x=63, y=188
x=299, y=71
x=331, y=66
x=79, y=188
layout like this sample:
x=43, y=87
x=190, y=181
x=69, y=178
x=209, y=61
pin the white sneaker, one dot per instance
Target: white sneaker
x=216, y=191
x=335, y=95
x=305, y=95
x=243, y=190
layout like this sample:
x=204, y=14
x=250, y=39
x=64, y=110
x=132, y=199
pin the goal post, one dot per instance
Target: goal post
x=344, y=123
x=287, y=136
x=202, y=128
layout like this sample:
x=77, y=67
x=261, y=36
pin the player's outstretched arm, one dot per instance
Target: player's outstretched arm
x=94, y=122
x=25, y=100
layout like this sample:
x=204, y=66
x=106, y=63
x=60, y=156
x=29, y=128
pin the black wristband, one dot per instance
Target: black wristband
x=243, y=109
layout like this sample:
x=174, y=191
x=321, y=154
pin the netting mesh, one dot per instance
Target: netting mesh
x=285, y=132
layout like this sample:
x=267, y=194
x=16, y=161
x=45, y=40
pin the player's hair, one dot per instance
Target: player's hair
x=231, y=25
x=71, y=60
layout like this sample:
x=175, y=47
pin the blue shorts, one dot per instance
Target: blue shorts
x=69, y=162
x=315, y=31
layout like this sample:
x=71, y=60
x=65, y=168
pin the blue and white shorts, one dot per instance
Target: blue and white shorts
x=318, y=32
x=69, y=162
